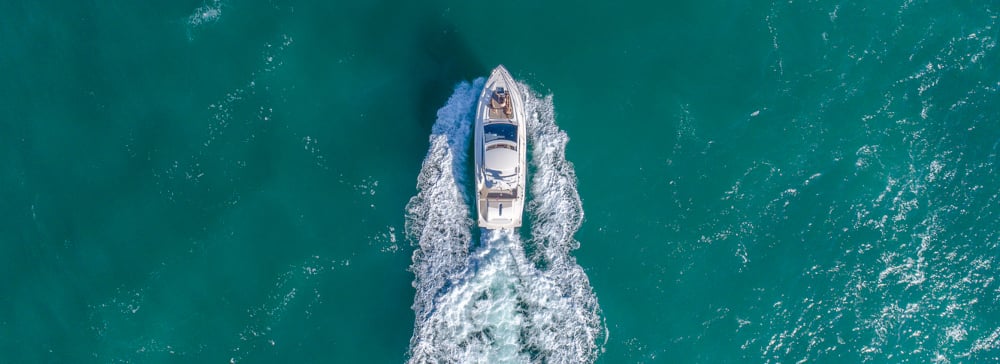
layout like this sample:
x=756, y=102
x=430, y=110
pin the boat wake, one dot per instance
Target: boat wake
x=498, y=303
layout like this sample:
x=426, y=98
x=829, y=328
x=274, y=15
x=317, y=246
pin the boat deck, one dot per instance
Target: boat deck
x=501, y=114
x=500, y=107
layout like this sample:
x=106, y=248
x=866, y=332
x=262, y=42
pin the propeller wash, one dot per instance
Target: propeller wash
x=493, y=301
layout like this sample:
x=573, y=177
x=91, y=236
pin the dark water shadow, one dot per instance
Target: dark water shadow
x=442, y=58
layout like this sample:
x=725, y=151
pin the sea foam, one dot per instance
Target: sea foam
x=495, y=304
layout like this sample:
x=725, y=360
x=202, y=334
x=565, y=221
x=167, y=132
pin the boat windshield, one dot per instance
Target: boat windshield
x=502, y=195
x=501, y=130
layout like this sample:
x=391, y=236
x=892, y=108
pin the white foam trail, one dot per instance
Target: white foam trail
x=479, y=318
x=494, y=305
x=569, y=315
x=437, y=218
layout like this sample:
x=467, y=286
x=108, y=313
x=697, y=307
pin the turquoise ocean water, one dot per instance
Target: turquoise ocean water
x=287, y=181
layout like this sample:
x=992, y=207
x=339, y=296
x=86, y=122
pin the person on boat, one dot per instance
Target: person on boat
x=499, y=99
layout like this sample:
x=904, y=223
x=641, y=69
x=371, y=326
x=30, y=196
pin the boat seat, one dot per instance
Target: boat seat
x=499, y=99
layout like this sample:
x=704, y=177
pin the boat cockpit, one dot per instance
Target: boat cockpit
x=500, y=105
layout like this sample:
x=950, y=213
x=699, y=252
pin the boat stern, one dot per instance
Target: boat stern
x=500, y=214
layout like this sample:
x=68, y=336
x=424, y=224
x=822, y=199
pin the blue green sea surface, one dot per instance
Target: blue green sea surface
x=288, y=181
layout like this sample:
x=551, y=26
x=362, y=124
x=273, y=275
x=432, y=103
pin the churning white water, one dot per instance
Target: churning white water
x=497, y=304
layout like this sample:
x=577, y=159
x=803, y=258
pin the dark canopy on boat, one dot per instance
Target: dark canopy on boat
x=503, y=130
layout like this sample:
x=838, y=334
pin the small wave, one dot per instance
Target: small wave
x=236, y=118
x=205, y=14
x=297, y=289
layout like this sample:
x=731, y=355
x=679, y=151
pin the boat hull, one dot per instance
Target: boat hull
x=500, y=150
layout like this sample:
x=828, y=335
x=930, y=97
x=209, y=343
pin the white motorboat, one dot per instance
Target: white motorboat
x=501, y=146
